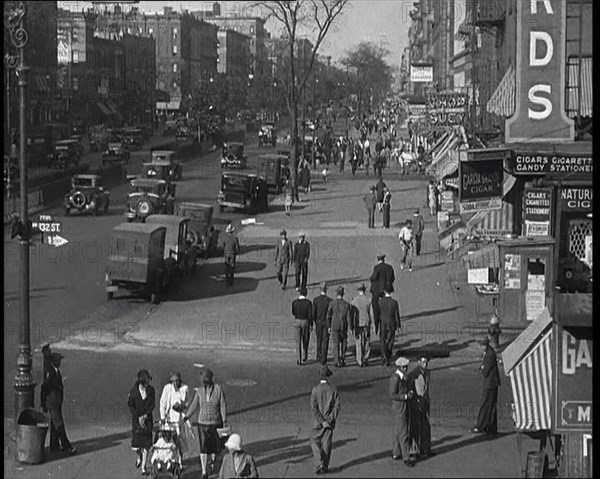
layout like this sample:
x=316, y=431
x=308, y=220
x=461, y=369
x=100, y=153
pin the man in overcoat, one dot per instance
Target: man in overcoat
x=231, y=249
x=382, y=274
x=325, y=408
x=338, y=317
x=418, y=382
x=320, y=306
x=400, y=396
x=284, y=251
x=301, y=256
x=390, y=324
x=487, y=419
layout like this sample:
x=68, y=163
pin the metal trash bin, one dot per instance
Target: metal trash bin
x=32, y=426
x=535, y=464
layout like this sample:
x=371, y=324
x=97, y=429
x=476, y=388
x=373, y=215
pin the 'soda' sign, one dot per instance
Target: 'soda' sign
x=540, y=74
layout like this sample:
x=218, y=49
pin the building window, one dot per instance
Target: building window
x=75, y=84
x=74, y=34
x=174, y=67
x=174, y=49
x=251, y=29
x=150, y=31
x=75, y=57
x=174, y=33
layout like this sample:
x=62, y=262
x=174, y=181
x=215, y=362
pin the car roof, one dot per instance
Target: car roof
x=138, y=227
x=157, y=163
x=163, y=152
x=147, y=182
x=234, y=143
x=166, y=219
x=86, y=177
x=272, y=156
x=66, y=142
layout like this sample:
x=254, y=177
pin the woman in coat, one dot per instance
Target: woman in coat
x=141, y=403
x=238, y=463
x=210, y=412
x=287, y=197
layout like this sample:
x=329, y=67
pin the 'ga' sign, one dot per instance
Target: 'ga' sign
x=540, y=74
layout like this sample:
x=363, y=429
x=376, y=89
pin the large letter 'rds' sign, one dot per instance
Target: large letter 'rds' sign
x=540, y=74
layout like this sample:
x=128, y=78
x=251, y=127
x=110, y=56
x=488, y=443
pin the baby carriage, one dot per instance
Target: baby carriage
x=164, y=454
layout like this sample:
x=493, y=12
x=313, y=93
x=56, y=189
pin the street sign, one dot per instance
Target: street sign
x=480, y=205
x=537, y=211
x=51, y=228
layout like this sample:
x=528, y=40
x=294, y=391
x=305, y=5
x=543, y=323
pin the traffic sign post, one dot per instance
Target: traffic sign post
x=46, y=225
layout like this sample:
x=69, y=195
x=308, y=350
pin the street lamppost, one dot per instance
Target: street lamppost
x=14, y=16
x=314, y=122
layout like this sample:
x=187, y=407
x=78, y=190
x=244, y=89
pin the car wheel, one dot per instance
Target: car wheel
x=79, y=199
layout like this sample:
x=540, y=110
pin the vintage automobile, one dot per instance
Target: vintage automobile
x=170, y=127
x=271, y=167
x=180, y=254
x=266, y=134
x=136, y=260
x=66, y=153
x=132, y=138
x=233, y=156
x=99, y=138
x=116, y=152
x=147, y=197
x=201, y=232
x=171, y=158
x=248, y=192
x=86, y=195
x=185, y=133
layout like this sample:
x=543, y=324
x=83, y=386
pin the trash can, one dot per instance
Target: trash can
x=32, y=427
x=535, y=464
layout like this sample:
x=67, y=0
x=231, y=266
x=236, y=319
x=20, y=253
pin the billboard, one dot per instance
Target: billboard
x=540, y=75
x=480, y=179
x=421, y=73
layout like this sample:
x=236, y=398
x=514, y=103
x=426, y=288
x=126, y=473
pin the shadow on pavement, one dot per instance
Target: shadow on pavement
x=435, y=350
x=281, y=208
x=427, y=266
x=473, y=439
x=91, y=445
x=362, y=460
x=336, y=282
x=433, y=312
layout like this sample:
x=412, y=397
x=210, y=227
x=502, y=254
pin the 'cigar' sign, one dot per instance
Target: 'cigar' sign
x=540, y=74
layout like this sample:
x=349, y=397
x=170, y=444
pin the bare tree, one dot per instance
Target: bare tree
x=292, y=16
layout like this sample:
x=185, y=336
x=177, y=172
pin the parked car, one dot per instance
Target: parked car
x=271, y=167
x=233, y=156
x=66, y=153
x=248, y=192
x=170, y=127
x=86, y=194
x=201, y=232
x=147, y=197
x=185, y=133
x=267, y=134
x=136, y=260
x=116, y=152
x=171, y=157
x=180, y=255
x=132, y=138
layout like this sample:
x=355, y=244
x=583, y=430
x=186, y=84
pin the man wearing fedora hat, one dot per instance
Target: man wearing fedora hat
x=301, y=255
x=284, y=252
x=390, y=325
x=325, y=407
x=320, y=306
x=338, y=318
x=418, y=227
x=487, y=419
x=303, y=315
x=52, y=400
x=400, y=395
x=231, y=249
x=362, y=320
x=382, y=275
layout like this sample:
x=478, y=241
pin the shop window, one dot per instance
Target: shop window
x=174, y=33
x=575, y=256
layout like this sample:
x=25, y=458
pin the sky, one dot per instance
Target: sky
x=378, y=21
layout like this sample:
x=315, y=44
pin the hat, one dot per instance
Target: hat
x=56, y=356
x=175, y=376
x=339, y=290
x=323, y=286
x=301, y=234
x=494, y=319
x=387, y=288
x=408, y=222
x=144, y=374
x=303, y=291
x=229, y=228
x=484, y=341
x=362, y=287
x=283, y=233
x=207, y=374
x=402, y=362
x=417, y=211
x=325, y=372
x=234, y=442
x=380, y=256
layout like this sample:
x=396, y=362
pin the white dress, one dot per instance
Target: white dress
x=168, y=399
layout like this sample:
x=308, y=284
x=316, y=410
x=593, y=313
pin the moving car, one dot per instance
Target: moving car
x=180, y=255
x=233, y=156
x=201, y=232
x=266, y=134
x=248, y=192
x=86, y=195
x=160, y=170
x=271, y=168
x=66, y=153
x=132, y=138
x=147, y=197
x=171, y=158
x=185, y=133
x=115, y=153
x=136, y=260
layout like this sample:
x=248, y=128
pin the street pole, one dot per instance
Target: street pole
x=7, y=120
x=23, y=382
x=314, y=120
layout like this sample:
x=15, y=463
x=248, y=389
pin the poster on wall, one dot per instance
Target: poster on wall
x=535, y=301
x=537, y=211
x=512, y=271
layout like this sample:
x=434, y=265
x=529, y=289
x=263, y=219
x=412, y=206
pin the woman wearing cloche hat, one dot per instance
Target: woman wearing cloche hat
x=238, y=463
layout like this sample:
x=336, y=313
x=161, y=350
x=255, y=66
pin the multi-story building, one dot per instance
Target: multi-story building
x=234, y=51
x=43, y=107
x=91, y=69
x=140, y=79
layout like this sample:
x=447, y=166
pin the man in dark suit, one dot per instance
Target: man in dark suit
x=338, y=318
x=320, y=306
x=382, y=274
x=370, y=201
x=390, y=323
x=420, y=427
x=487, y=420
x=52, y=399
x=284, y=251
x=302, y=312
x=400, y=396
x=379, y=188
x=418, y=227
x=325, y=407
x=301, y=255
x=231, y=249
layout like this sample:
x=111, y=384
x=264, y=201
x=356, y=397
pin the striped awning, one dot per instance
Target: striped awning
x=502, y=101
x=528, y=364
x=492, y=223
x=41, y=83
x=587, y=87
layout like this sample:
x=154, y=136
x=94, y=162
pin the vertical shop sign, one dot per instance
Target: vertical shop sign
x=537, y=211
x=540, y=74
